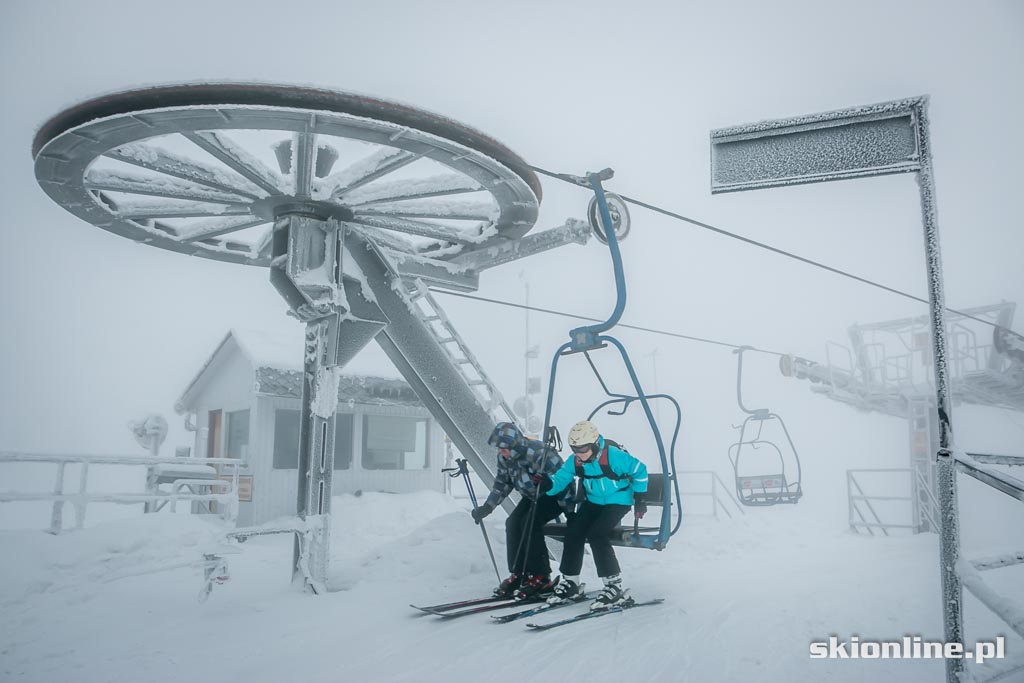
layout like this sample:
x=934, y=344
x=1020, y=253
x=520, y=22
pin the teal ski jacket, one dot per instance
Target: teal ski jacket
x=599, y=488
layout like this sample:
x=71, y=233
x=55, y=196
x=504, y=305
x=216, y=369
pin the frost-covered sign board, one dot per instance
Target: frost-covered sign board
x=863, y=141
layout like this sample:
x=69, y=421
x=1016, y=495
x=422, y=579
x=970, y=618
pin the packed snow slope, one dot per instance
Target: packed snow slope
x=744, y=598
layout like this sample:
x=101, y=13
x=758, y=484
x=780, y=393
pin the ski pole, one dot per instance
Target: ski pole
x=463, y=470
x=552, y=440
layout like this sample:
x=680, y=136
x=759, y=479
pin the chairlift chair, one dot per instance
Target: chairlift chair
x=761, y=479
x=661, y=486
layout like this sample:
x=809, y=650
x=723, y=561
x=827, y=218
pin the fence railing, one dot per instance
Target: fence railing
x=213, y=481
x=862, y=511
x=1009, y=609
x=717, y=491
x=969, y=572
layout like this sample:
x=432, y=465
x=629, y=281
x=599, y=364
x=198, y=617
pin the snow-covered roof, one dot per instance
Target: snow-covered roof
x=355, y=388
x=276, y=360
x=281, y=348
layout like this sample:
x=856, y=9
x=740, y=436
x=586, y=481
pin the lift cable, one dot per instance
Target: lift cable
x=583, y=317
x=566, y=178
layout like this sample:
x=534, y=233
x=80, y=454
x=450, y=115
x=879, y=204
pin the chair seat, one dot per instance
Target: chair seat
x=624, y=536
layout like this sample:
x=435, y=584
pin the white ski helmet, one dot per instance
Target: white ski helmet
x=584, y=433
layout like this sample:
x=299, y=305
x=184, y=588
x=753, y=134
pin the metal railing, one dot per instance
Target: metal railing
x=718, y=492
x=153, y=497
x=1010, y=610
x=862, y=512
x=926, y=507
x=978, y=466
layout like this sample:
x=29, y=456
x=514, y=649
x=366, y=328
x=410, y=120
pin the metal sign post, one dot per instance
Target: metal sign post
x=879, y=139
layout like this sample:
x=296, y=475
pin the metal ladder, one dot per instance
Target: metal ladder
x=426, y=308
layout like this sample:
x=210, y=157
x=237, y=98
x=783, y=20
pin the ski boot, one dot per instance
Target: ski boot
x=612, y=595
x=534, y=585
x=508, y=587
x=566, y=590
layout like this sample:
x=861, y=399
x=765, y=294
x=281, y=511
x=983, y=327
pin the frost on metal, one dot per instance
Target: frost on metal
x=486, y=230
x=1008, y=608
x=891, y=137
x=223, y=147
x=414, y=188
x=159, y=208
x=408, y=188
x=312, y=557
x=219, y=226
x=163, y=161
x=325, y=392
x=436, y=208
x=167, y=187
x=376, y=164
x=862, y=141
x=353, y=270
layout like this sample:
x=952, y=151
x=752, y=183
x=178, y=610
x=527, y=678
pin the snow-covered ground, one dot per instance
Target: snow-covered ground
x=744, y=598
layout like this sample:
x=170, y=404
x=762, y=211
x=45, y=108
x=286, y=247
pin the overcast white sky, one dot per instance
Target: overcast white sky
x=98, y=330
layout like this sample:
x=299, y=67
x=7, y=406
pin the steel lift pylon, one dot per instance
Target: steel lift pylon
x=356, y=205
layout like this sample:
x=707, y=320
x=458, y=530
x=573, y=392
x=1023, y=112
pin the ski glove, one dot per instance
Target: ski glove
x=543, y=483
x=479, y=513
x=639, y=507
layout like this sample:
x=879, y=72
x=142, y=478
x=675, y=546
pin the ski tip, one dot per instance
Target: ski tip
x=429, y=610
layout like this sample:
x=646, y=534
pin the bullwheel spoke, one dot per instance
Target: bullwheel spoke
x=377, y=165
x=237, y=158
x=219, y=226
x=178, y=166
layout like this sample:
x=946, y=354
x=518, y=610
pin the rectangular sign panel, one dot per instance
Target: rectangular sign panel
x=852, y=143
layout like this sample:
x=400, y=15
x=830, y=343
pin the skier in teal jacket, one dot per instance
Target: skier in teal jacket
x=613, y=481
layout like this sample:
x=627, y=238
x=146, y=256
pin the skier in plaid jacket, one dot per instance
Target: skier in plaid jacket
x=521, y=464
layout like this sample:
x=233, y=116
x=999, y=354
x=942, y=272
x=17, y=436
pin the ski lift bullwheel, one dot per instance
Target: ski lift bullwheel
x=206, y=169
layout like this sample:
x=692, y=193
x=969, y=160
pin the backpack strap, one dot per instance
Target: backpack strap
x=606, y=470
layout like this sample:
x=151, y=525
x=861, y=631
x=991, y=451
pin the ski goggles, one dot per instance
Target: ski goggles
x=584, y=448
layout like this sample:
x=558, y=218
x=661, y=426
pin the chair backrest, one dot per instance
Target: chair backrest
x=655, y=488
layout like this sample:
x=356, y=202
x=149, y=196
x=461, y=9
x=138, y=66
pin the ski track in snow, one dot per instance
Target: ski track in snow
x=744, y=598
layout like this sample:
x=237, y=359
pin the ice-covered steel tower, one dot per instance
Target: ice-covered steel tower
x=880, y=139
x=887, y=369
x=356, y=205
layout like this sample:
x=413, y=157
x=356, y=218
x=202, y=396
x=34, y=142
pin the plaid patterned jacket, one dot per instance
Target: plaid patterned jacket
x=516, y=471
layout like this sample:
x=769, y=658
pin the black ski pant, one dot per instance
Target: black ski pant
x=594, y=524
x=531, y=545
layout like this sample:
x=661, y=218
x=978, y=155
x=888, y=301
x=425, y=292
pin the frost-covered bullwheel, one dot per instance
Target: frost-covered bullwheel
x=205, y=169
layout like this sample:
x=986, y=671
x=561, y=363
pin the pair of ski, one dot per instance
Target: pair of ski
x=465, y=607
x=594, y=614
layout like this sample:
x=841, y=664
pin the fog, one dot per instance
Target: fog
x=99, y=330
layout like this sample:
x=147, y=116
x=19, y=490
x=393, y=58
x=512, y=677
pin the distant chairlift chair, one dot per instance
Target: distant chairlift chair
x=761, y=477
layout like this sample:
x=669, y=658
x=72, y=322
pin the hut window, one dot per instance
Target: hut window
x=394, y=443
x=286, y=440
x=237, y=445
